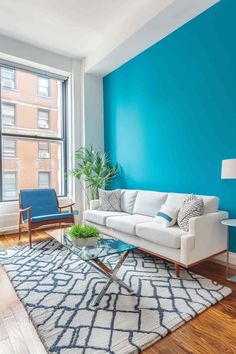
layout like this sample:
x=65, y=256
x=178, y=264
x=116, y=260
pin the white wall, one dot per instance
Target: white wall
x=93, y=111
x=76, y=138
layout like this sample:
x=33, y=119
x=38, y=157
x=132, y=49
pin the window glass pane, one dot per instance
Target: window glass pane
x=44, y=150
x=28, y=165
x=43, y=86
x=44, y=179
x=8, y=114
x=34, y=114
x=9, y=147
x=7, y=78
x=9, y=185
x=43, y=119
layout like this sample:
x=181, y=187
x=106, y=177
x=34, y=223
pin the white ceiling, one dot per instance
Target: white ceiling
x=94, y=29
x=74, y=27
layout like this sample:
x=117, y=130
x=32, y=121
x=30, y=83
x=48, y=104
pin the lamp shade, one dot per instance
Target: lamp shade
x=228, y=169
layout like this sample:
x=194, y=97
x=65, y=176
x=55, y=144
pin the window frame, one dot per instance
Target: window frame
x=45, y=172
x=9, y=104
x=48, y=150
x=48, y=112
x=16, y=181
x=15, y=150
x=14, y=80
x=61, y=140
x=49, y=86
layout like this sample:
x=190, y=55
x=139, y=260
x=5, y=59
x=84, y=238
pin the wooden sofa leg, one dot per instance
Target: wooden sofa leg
x=177, y=270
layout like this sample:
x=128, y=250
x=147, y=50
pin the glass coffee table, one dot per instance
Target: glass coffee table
x=94, y=255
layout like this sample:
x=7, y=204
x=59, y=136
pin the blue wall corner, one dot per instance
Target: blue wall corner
x=170, y=113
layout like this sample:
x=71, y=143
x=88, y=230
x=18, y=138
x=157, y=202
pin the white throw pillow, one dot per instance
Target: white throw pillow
x=167, y=215
x=148, y=202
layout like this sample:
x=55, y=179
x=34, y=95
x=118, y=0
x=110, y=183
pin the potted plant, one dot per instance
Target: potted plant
x=94, y=169
x=83, y=235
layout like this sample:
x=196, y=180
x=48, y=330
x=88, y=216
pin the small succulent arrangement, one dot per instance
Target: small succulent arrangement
x=83, y=235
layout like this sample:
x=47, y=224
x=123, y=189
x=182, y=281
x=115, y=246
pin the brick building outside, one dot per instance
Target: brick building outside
x=30, y=109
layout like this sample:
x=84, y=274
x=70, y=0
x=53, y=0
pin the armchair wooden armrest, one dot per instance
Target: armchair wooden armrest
x=21, y=211
x=26, y=209
x=67, y=206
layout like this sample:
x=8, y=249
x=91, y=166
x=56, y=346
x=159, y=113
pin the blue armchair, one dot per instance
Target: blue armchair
x=40, y=207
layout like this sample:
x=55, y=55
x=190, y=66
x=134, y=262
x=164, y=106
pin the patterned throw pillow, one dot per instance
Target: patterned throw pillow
x=167, y=215
x=109, y=200
x=192, y=206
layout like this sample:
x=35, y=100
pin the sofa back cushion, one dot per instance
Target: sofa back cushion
x=127, y=200
x=149, y=203
x=211, y=203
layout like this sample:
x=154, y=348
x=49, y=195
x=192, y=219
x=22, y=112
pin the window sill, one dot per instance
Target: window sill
x=10, y=89
x=46, y=97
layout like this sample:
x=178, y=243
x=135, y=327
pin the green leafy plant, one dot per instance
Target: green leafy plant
x=94, y=168
x=83, y=231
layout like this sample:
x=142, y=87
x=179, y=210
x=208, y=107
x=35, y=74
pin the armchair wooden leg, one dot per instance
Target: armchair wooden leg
x=177, y=270
x=19, y=232
x=30, y=237
x=20, y=220
x=30, y=232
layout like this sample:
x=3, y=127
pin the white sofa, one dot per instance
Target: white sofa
x=135, y=224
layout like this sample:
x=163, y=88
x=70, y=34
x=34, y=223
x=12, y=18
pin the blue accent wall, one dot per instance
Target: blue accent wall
x=170, y=113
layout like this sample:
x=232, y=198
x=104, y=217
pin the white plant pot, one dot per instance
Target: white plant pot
x=84, y=242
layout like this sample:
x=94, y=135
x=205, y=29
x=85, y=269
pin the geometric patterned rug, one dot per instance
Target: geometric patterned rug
x=59, y=301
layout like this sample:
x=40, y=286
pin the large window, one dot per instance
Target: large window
x=33, y=141
x=43, y=86
x=8, y=78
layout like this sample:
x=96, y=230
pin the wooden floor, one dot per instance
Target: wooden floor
x=214, y=331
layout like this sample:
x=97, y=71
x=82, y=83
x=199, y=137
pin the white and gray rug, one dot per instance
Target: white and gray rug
x=59, y=302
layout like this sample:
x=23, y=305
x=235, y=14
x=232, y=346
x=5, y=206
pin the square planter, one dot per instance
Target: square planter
x=84, y=242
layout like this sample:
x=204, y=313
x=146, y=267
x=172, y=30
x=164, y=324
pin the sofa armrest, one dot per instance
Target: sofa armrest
x=206, y=237
x=200, y=225
x=94, y=204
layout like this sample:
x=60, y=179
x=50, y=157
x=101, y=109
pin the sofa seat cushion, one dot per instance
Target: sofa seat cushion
x=164, y=236
x=128, y=223
x=100, y=216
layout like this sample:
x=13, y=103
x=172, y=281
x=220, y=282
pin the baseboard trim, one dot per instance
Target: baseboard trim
x=221, y=258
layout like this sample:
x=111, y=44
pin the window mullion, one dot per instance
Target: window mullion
x=1, y=164
x=32, y=137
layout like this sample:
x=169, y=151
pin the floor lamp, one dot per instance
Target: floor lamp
x=228, y=171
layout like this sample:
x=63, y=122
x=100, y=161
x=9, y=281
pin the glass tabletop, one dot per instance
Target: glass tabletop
x=104, y=247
